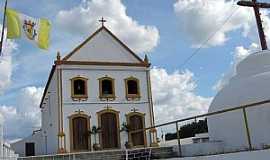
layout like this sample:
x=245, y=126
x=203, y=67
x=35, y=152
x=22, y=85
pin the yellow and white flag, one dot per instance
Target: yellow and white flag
x=34, y=29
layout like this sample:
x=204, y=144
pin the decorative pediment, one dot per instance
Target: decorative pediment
x=103, y=46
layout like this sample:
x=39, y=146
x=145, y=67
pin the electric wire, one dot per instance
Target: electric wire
x=209, y=38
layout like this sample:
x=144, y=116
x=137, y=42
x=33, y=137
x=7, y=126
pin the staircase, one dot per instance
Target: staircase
x=133, y=154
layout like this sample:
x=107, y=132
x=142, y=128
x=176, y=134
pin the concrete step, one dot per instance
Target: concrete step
x=163, y=152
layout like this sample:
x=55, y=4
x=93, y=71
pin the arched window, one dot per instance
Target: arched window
x=106, y=87
x=132, y=88
x=79, y=87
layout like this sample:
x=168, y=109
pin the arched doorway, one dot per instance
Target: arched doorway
x=136, y=121
x=79, y=136
x=109, y=124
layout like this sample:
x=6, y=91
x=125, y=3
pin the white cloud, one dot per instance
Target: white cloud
x=200, y=19
x=6, y=68
x=22, y=119
x=83, y=19
x=239, y=54
x=174, y=98
x=174, y=95
x=6, y=65
x=251, y=30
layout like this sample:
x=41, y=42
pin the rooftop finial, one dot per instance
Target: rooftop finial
x=146, y=60
x=102, y=20
x=58, y=57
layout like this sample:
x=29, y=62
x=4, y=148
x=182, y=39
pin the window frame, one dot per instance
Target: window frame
x=79, y=96
x=132, y=96
x=142, y=115
x=108, y=96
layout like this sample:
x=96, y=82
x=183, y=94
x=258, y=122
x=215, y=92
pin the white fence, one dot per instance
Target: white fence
x=7, y=153
x=132, y=154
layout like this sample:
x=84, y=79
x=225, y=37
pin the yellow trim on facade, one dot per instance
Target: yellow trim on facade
x=63, y=147
x=58, y=109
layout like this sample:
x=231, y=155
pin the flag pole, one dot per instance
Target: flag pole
x=3, y=28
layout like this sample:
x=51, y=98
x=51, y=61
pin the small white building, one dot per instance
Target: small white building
x=100, y=83
x=250, y=85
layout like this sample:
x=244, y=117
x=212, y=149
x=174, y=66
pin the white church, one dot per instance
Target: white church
x=94, y=96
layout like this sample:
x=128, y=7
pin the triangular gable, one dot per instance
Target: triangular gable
x=103, y=46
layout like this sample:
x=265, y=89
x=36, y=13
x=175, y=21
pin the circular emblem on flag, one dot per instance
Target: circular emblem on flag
x=29, y=29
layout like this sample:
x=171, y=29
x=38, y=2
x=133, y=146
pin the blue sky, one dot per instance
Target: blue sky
x=31, y=65
x=208, y=65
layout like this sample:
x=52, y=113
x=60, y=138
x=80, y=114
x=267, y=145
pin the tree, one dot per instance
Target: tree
x=95, y=130
x=189, y=130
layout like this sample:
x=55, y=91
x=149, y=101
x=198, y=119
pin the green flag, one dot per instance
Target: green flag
x=34, y=29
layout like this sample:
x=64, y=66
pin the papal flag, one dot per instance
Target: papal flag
x=34, y=29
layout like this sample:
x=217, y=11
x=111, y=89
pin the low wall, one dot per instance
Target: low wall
x=248, y=155
x=197, y=149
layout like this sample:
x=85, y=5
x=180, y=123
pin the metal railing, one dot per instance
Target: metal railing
x=230, y=109
x=74, y=156
x=131, y=154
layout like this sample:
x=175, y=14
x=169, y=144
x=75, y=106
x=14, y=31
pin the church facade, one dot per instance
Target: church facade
x=94, y=97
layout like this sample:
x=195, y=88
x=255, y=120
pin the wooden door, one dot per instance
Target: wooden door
x=109, y=131
x=135, y=123
x=29, y=149
x=80, y=134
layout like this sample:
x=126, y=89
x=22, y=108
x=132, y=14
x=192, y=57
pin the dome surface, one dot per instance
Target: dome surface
x=250, y=84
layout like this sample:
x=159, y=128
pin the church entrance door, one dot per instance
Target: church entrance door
x=136, y=122
x=109, y=130
x=80, y=133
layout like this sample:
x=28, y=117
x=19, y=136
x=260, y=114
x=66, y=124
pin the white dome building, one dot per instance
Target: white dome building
x=250, y=84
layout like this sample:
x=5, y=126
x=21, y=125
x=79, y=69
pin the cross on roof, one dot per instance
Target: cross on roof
x=108, y=107
x=79, y=111
x=102, y=20
x=134, y=110
x=256, y=6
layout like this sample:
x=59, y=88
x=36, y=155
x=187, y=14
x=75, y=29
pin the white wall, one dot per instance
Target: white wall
x=95, y=50
x=196, y=149
x=249, y=85
x=259, y=155
x=50, y=117
x=37, y=138
x=93, y=73
x=93, y=104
